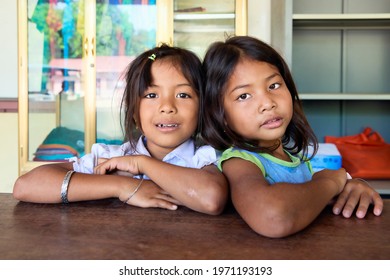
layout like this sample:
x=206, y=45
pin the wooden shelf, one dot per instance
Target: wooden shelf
x=203, y=16
x=342, y=21
x=331, y=17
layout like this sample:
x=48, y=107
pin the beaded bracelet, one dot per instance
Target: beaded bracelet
x=133, y=193
x=64, y=187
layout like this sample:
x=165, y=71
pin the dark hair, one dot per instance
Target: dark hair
x=219, y=63
x=139, y=78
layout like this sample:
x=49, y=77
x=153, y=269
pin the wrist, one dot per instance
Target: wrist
x=142, y=163
x=123, y=187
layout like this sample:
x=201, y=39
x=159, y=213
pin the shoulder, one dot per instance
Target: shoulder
x=242, y=154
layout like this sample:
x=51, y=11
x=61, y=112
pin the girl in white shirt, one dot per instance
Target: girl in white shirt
x=160, y=164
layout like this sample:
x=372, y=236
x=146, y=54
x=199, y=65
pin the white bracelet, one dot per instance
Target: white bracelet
x=64, y=187
x=133, y=193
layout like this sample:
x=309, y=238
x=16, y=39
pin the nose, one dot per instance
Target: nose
x=266, y=103
x=168, y=105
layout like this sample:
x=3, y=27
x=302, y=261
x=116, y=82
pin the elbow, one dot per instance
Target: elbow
x=274, y=229
x=214, y=207
x=19, y=189
x=214, y=203
x=273, y=224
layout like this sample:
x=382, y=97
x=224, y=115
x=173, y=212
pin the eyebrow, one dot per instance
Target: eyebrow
x=178, y=85
x=270, y=77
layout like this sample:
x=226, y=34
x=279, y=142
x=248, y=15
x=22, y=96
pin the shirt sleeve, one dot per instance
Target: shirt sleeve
x=235, y=153
x=86, y=163
x=205, y=155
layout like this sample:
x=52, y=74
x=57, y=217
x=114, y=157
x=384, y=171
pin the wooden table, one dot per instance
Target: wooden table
x=107, y=229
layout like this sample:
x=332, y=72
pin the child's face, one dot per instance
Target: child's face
x=257, y=102
x=168, y=109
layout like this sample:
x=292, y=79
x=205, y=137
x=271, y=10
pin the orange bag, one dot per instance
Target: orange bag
x=365, y=155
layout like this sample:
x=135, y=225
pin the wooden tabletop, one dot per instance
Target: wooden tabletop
x=108, y=229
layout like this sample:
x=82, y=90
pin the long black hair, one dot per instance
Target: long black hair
x=219, y=63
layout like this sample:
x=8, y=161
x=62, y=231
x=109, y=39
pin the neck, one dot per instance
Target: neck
x=280, y=154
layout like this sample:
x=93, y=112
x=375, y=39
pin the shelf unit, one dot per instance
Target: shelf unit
x=197, y=24
x=341, y=64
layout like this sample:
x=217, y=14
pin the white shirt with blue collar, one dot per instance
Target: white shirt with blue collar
x=184, y=155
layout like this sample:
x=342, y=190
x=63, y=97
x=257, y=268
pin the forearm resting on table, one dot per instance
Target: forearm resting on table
x=280, y=209
x=43, y=185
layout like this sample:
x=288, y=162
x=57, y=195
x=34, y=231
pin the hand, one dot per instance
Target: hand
x=357, y=193
x=150, y=195
x=117, y=172
x=120, y=165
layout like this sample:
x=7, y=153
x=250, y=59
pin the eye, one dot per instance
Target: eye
x=274, y=86
x=183, y=95
x=150, y=95
x=243, y=96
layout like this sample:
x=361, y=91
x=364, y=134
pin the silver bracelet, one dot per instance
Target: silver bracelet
x=64, y=187
x=133, y=193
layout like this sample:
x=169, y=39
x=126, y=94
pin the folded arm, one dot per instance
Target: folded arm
x=43, y=185
x=204, y=190
x=280, y=209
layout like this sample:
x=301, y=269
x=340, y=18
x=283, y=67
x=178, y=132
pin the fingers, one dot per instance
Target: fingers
x=166, y=205
x=157, y=203
x=359, y=196
x=167, y=197
x=378, y=204
x=102, y=168
x=153, y=197
x=349, y=203
x=101, y=160
x=341, y=200
x=367, y=197
x=364, y=203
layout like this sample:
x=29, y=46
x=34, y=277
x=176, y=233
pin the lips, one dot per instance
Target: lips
x=273, y=122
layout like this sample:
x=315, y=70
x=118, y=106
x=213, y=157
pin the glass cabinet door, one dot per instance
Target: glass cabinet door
x=124, y=29
x=199, y=23
x=51, y=93
x=72, y=58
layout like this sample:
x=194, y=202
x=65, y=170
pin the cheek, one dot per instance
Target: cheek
x=288, y=107
x=192, y=110
x=235, y=120
x=194, y=115
x=144, y=116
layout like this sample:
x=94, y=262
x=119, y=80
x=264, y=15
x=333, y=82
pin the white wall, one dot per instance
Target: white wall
x=8, y=151
x=8, y=49
x=8, y=89
x=269, y=20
